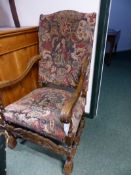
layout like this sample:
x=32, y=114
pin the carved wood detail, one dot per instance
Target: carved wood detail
x=68, y=167
x=11, y=142
x=7, y=83
x=66, y=112
x=69, y=151
x=36, y=138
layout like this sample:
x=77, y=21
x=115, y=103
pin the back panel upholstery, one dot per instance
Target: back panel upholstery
x=65, y=38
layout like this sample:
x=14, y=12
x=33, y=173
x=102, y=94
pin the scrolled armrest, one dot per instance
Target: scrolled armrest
x=66, y=112
x=7, y=83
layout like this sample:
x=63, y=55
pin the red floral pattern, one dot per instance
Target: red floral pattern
x=66, y=37
x=40, y=112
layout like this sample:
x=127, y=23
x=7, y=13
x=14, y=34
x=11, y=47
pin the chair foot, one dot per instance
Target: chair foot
x=68, y=167
x=11, y=142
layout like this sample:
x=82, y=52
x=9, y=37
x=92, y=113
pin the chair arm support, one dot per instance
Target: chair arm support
x=66, y=112
x=7, y=83
x=67, y=108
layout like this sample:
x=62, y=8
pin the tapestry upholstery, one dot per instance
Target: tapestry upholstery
x=65, y=39
x=40, y=110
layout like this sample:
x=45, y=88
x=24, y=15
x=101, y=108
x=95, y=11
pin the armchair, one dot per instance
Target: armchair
x=52, y=115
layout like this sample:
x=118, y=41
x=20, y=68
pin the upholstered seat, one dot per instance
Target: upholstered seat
x=40, y=112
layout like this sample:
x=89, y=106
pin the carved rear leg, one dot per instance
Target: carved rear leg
x=11, y=141
x=68, y=167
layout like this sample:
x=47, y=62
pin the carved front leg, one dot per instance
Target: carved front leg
x=11, y=141
x=68, y=167
x=80, y=129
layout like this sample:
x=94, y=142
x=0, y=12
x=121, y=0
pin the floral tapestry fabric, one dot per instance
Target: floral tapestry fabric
x=40, y=110
x=65, y=39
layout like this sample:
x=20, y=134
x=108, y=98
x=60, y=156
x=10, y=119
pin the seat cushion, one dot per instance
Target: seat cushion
x=40, y=110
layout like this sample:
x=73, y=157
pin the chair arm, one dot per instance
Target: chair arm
x=7, y=83
x=66, y=112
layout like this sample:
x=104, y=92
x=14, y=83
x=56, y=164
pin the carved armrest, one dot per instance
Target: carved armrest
x=66, y=112
x=7, y=83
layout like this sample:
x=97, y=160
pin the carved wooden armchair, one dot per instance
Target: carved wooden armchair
x=52, y=114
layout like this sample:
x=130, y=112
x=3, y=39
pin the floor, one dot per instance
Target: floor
x=105, y=147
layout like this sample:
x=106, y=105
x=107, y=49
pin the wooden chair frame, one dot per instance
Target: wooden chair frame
x=13, y=132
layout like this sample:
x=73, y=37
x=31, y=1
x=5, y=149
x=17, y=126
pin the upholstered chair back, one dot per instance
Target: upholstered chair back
x=66, y=38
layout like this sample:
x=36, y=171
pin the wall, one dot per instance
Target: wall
x=29, y=12
x=120, y=19
x=5, y=14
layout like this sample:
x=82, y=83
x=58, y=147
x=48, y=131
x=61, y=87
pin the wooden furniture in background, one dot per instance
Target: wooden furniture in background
x=17, y=47
x=112, y=38
x=14, y=13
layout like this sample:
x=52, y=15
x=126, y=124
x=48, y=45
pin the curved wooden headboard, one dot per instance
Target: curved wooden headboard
x=17, y=47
